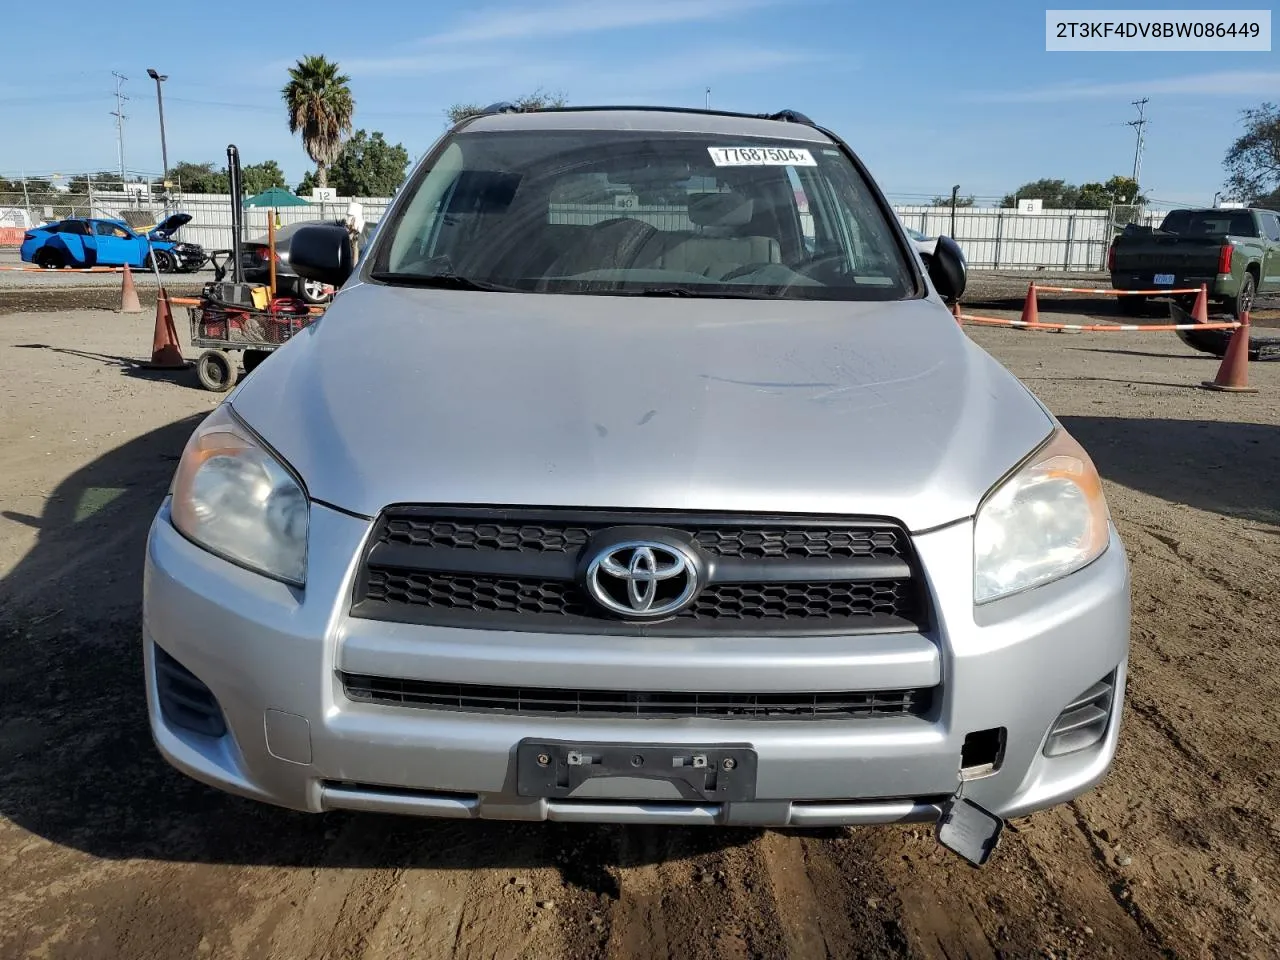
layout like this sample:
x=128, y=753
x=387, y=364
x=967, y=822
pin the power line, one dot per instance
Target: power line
x=1140, y=125
x=118, y=113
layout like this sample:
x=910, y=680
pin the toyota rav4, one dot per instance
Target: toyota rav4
x=638, y=472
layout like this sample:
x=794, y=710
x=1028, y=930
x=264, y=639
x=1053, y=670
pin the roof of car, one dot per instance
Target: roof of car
x=658, y=119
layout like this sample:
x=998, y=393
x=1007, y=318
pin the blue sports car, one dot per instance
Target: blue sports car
x=88, y=242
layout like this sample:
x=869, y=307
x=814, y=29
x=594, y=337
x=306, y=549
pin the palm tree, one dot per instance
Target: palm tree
x=320, y=105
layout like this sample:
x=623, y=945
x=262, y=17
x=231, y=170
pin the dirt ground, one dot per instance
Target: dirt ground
x=107, y=852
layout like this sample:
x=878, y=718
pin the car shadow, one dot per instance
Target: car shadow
x=79, y=766
x=1222, y=467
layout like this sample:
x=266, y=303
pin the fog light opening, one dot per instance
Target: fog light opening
x=184, y=700
x=1083, y=722
x=982, y=753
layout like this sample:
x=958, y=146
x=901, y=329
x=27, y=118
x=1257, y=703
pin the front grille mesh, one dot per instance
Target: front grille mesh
x=718, y=541
x=479, y=535
x=522, y=569
x=478, y=594
x=717, y=601
x=476, y=698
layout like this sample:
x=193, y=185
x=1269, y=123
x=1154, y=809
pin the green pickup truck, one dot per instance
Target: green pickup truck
x=1235, y=252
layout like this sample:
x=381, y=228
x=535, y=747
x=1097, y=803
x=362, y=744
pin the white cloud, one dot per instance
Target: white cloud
x=1220, y=84
x=586, y=16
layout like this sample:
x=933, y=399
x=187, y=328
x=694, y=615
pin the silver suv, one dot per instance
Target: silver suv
x=638, y=473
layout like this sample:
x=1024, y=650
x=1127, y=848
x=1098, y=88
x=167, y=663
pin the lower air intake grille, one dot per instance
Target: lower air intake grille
x=476, y=698
x=184, y=700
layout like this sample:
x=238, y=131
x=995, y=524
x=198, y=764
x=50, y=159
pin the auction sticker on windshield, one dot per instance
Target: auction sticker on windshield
x=761, y=157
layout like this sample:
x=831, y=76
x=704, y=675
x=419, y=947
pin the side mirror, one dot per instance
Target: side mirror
x=321, y=253
x=948, y=268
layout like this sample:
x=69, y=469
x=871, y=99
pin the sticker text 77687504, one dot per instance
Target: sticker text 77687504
x=761, y=157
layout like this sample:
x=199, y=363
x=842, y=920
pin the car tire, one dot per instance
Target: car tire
x=312, y=291
x=216, y=371
x=1243, y=301
x=165, y=262
x=49, y=259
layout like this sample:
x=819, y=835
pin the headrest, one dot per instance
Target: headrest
x=720, y=209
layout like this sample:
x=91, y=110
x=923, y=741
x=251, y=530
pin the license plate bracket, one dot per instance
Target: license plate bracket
x=1163, y=279
x=713, y=773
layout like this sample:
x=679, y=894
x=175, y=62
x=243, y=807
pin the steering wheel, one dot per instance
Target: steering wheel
x=814, y=259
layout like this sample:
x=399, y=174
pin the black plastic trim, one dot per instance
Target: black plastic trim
x=542, y=701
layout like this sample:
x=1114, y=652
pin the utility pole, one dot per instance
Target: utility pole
x=1140, y=125
x=164, y=150
x=118, y=113
x=708, y=98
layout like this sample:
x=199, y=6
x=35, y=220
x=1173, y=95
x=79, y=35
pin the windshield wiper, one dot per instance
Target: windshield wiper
x=439, y=281
x=719, y=292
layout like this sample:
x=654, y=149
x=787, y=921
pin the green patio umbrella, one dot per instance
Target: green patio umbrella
x=276, y=197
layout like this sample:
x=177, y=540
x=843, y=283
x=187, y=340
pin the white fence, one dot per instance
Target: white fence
x=992, y=238
x=1002, y=238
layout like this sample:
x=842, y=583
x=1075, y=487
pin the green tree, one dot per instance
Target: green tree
x=102, y=180
x=199, y=177
x=1060, y=195
x=1117, y=190
x=306, y=185
x=320, y=106
x=1269, y=201
x=946, y=202
x=1056, y=194
x=1253, y=159
x=538, y=100
x=368, y=166
x=261, y=176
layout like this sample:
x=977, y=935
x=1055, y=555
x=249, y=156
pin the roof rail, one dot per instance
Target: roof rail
x=791, y=116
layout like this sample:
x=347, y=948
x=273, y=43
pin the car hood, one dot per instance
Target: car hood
x=407, y=395
x=167, y=227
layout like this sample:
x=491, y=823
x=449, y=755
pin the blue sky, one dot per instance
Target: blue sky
x=930, y=94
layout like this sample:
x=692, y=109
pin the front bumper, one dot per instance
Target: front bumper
x=271, y=655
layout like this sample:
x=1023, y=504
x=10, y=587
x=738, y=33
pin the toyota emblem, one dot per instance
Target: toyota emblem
x=642, y=579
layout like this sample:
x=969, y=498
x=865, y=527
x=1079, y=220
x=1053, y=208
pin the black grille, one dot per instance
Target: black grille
x=521, y=569
x=482, y=535
x=480, y=594
x=725, y=601
x=475, y=698
x=727, y=541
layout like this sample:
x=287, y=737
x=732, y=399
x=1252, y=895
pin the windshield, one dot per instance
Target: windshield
x=638, y=213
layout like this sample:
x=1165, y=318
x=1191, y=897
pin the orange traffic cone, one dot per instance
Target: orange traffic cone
x=128, y=294
x=166, y=352
x=1200, y=312
x=1031, y=307
x=1233, y=373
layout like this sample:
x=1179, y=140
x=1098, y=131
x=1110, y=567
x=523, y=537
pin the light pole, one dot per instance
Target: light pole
x=164, y=150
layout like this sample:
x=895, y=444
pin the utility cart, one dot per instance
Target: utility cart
x=229, y=334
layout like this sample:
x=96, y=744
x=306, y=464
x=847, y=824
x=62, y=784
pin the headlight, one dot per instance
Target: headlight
x=234, y=498
x=1045, y=521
